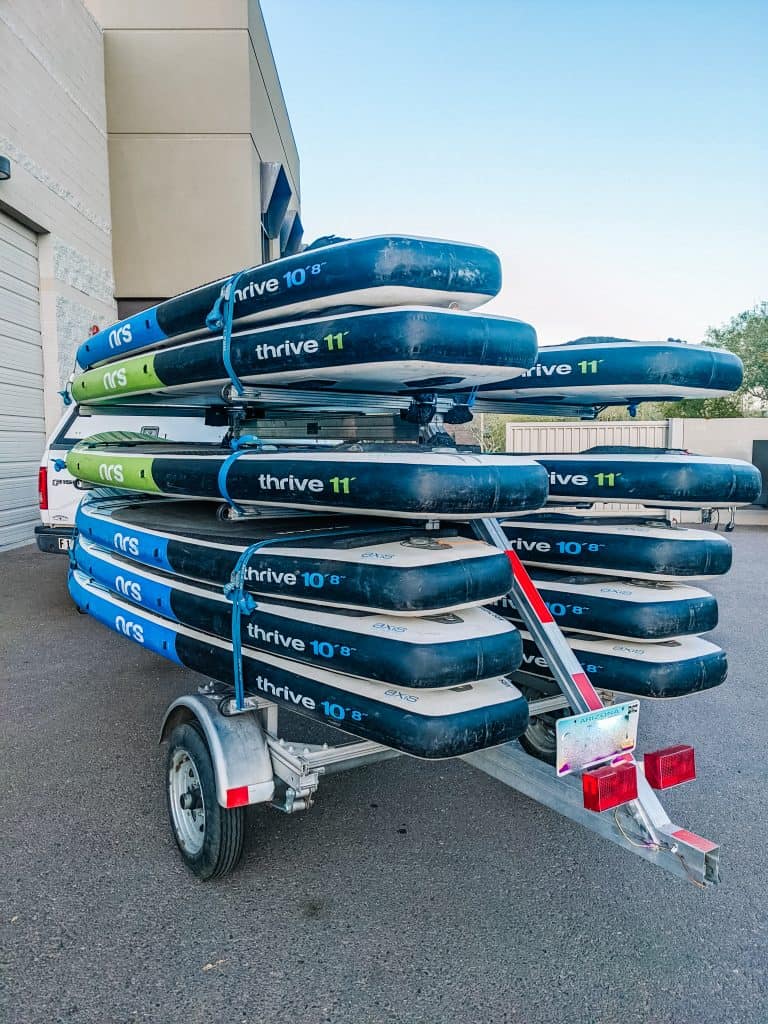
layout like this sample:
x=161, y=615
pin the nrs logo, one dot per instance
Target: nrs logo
x=115, y=379
x=120, y=336
x=129, y=628
x=126, y=543
x=111, y=474
x=130, y=588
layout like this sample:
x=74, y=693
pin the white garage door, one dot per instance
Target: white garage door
x=22, y=424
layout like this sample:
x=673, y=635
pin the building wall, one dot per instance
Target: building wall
x=193, y=106
x=53, y=129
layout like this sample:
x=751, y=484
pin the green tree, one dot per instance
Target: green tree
x=746, y=335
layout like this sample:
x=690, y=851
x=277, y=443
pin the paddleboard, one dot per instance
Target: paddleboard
x=335, y=561
x=650, y=476
x=615, y=371
x=675, y=668
x=362, y=273
x=405, y=481
x=374, y=351
x=617, y=546
x=427, y=723
x=620, y=609
x=444, y=650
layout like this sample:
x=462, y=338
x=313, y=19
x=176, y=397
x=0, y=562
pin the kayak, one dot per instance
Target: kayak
x=406, y=482
x=442, y=650
x=361, y=273
x=373, y=351
x=380, y=566
x=427, y=723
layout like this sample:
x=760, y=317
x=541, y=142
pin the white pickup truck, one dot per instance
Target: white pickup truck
x=57, y=494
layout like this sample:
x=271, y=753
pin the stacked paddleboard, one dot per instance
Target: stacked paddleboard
x=619, y=585
x=335, y=584
x=614, y=371
x=344, y=582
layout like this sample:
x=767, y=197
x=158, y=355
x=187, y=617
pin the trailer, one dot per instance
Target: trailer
x=225, y=751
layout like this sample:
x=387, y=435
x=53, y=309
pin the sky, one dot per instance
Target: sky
x=614, y=154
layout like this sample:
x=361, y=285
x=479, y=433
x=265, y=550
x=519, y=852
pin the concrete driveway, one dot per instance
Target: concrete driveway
x=411, y=892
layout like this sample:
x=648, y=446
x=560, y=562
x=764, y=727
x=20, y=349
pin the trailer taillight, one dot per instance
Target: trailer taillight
x=670, y=766
x=42, y=488
x=609, y=786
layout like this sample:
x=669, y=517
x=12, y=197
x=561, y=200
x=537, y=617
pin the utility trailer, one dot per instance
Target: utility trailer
x=225, y=751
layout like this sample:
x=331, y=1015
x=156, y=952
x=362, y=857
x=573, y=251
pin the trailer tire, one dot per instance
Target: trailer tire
x=209, y=836
x=540, y=738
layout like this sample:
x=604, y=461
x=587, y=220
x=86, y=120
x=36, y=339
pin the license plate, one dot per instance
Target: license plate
x=65, y=543
x=596, y=736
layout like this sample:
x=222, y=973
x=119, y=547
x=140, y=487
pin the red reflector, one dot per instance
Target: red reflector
x=237, y=797
x=42, y=488
x=670, y=767
x=609, y=787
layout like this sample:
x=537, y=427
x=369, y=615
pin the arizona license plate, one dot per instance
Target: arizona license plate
x=596, y=736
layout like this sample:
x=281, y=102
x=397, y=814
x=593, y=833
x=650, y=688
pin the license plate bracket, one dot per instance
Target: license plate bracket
x=596, y=737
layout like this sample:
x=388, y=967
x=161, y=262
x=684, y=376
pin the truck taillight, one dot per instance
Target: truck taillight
x=42, y=488
x=609, y=787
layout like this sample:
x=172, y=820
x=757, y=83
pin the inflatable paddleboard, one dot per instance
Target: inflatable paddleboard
x=615, y=371
x=431, y=723
x=374, y=351
x=651, y=476
x=407, y=482
x=363, y=273
x=621, y=609
x=617, y=546
x=335, y=561
x=444, y=650
x=672, y=669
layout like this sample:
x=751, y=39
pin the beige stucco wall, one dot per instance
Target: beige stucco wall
x=193, y=106
x=724, y=438
x=53, y=128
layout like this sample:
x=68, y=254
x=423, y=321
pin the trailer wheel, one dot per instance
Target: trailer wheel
x=540, y=738
x=209, y=836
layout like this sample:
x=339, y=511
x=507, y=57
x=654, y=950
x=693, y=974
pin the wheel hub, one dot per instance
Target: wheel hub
x=187, y=804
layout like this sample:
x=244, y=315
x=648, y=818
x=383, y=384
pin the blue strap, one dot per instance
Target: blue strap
x=220, y=319
x=244, y=603
x=59, y=464
x=240, y=446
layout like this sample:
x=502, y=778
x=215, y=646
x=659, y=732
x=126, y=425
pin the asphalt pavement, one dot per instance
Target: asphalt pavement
x=411, y=893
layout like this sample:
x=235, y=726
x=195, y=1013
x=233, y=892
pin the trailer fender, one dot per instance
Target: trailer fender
x=238, y=749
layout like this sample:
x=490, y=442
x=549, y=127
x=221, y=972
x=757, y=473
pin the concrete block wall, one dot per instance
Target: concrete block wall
x=53, y=129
